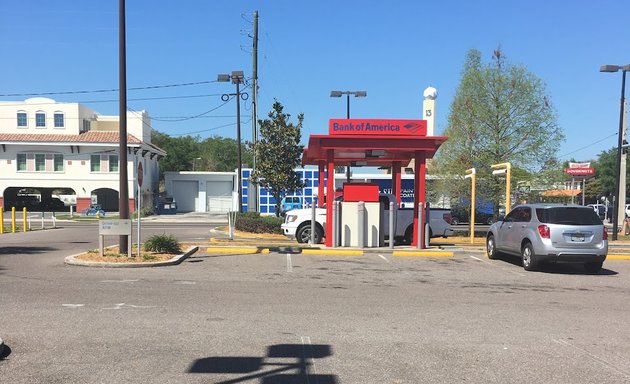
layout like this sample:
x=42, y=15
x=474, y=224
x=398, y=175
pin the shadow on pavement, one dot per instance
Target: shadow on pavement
x=25, y=250
x=559, y=268
x=294, y=358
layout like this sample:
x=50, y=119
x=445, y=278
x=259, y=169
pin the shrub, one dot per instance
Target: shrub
x=162, y=244
x=254, y=223
x=147, y=211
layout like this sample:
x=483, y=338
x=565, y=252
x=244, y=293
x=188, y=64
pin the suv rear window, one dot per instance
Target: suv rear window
x=568, y=216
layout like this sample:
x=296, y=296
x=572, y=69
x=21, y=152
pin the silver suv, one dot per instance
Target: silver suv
x=550, y=233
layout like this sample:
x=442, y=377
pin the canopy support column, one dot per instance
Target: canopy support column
x=320, y=184
x=396, y=181
x=330, y=196
x=419, y=180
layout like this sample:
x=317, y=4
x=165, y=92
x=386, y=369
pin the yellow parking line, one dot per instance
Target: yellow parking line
x=618, y=257
x=236, y=250
x=423, y=253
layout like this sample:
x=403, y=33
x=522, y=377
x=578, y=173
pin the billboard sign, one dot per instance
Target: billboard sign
x=580, y=171
x=377, y=127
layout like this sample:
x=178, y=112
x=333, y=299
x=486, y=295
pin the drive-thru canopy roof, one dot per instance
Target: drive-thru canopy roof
x=371, y=151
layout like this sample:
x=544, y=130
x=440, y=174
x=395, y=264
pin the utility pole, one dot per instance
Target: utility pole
x=254, y=190
x=123, y=185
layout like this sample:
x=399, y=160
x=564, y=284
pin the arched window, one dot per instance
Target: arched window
x=22, y=119
x=40, y=119
x=59, y=120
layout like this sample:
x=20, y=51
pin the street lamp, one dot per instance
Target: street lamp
x=500, y=169
x=237, y=78
x=618, y=186
x=195, y=159
x=471, y=173
x=348, y=93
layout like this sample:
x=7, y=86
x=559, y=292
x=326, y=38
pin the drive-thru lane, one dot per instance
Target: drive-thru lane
x=307, y=318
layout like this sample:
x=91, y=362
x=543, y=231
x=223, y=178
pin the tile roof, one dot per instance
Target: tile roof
x=85, y=137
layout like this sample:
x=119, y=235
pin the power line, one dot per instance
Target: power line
x=2, y=104
x=587, y=146
x=105, y=90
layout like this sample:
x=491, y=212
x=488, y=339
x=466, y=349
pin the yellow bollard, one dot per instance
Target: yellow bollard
x=12, y=219
x=1, y=220
x=24, y=218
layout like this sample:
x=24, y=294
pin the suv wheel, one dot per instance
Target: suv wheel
x=528, y=258
x=454, y=221
x=593, y=267
x=491, y=248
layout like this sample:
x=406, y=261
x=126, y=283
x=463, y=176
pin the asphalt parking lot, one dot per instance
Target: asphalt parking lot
x=297, y=318
x=329, y=318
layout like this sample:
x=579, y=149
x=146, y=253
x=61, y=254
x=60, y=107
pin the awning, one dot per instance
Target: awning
x=561, y=192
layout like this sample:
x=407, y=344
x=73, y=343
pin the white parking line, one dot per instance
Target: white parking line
x=289, y=263
x=494, y=265
x=123, y=305
x=308, y=357
x=594, y=357
x=384, y=258
x=73, y=305
x=120, y=281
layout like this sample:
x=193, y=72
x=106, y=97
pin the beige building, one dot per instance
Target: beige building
x=49, y=147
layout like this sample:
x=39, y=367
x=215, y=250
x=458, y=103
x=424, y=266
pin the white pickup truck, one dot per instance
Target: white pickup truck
x=297, y=222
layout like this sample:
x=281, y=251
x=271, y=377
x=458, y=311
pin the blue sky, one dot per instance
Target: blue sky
x=393, y=50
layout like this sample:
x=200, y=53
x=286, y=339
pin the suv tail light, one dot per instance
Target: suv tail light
x=544, y=231
x=605, y=236
x=447, y=217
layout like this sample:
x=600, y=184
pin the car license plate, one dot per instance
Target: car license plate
x=577, y=237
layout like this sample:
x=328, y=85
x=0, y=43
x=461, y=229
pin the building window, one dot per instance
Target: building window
x=113, y=163
x=86, y=126
x=21, y=162
x=95, y=163
x=59, y=120
x=40, y=120
x=58, y=162
x=40, y=162
x=22, y=120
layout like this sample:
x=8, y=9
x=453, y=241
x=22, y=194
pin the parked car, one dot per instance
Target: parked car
x=550, y=233
x=462, y=215
x=290, y=202
x=93, y=210
x=52, y=204
x=30, y=202
x=603, y=211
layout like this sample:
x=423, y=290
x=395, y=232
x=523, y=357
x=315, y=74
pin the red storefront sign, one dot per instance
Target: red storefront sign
x=377, y=127
x=580, y=171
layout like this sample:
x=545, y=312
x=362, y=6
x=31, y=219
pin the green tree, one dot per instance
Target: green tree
x=603, y=183
x=219, y=154
x=500, y=113
x=180, y=151
x=278, y=152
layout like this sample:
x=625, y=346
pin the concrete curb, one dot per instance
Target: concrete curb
x=328, y=251
x=72, y=260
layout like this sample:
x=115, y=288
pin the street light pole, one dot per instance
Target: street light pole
x=237, y=78
x=348, y=93
x=471, y=173
x=618, y=186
